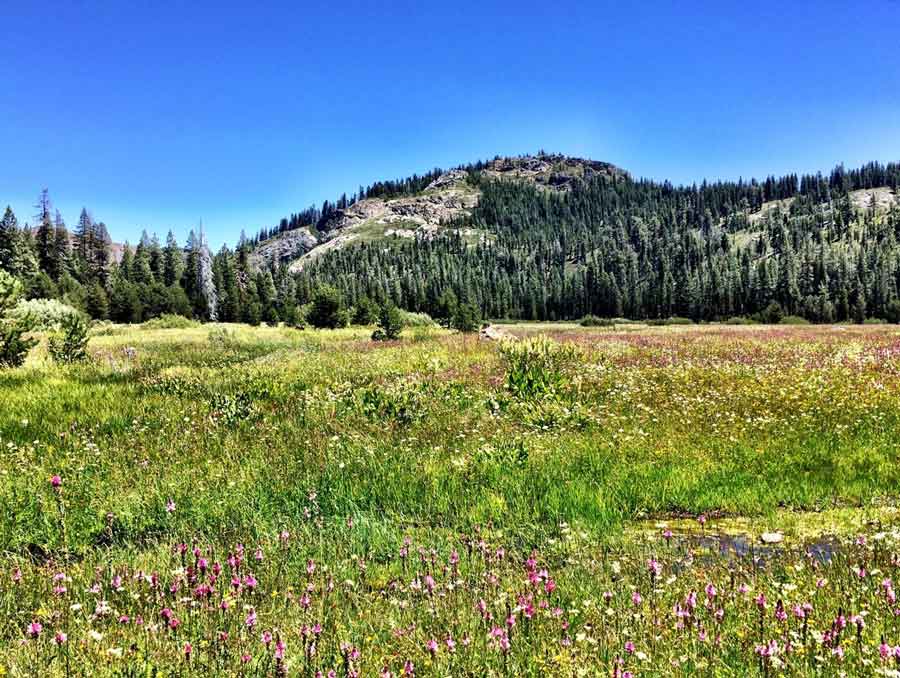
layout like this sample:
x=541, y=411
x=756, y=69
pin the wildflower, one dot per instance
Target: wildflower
x=188, y=648
x=60, y=638
x=710, y=591
x=170, y=505
x=280, y=647
x=408, y=668
x=310, y=567
x=432, y=646
x=451, y=644
x=636, y=598
x=654, y=568
x=34, y=629
x=56, y=482
x=266, y=638
x=629, y=647
x=250, y=621
x=838, y=653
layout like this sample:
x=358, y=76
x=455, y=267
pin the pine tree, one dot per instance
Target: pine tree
x=9, y=240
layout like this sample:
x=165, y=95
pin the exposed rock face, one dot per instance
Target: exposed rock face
x=423, y=216
x=556, y=172
x=446, y=197
x=284, y=247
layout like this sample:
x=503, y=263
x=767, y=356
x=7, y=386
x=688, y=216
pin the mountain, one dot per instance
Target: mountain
x=550, y=237
x=433, y=211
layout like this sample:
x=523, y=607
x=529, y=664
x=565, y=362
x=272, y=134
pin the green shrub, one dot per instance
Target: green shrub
x=892, y=311
x=675, y=320
x=536, y=367
x=793, y=320
x=46, y=315
x=170, y=321
x=390, y=323
x=365, y=312
x=69, y=344
x=411, y=319
x=874, y=321
x=15, y=341
x=771, y=314
x=595, y=321
x=466, y=317
x=739, y=320
x=327, y=310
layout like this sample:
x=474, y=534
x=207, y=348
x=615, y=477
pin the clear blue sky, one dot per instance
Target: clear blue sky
x=159, y=114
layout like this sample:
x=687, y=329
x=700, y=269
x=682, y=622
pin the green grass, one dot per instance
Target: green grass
x=241, y=429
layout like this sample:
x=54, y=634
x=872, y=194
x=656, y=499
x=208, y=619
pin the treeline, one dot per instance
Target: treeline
x=614, y=247
x=609, y=247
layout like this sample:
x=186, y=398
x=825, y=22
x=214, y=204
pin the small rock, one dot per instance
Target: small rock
x=771, y=537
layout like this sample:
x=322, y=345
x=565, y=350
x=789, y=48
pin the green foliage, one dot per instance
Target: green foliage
x=892, y=312
x=97, y=301
x=44, y=315
x=466, y=317
x=14, y=339
x=594, y=321
x=390, y=323
x=69, y=344
x=169, y=321
x=365, y=312
x=537, y=367
x=327, y=310
x=793, y=320
x=771, y=314
x=10, y=292
x=417, y=319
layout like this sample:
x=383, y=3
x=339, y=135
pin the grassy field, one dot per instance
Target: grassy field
x=225, y=500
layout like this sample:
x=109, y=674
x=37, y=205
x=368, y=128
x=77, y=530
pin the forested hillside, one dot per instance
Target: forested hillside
x=537, y=237
x=824, y=248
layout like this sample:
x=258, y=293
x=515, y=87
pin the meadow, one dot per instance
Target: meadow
x=629, y=501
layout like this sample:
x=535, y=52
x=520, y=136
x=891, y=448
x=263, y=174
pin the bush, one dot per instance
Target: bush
x=739, y=320
x=14, y=340
x=69, y=344
x=170, y=321
x=46, y=315
x=892, y=311
x=327, y=310
x=390, y=323
x=793, y=320
x=874, y=321
x=466, y=318
x=417, y=319
x=675, y=320
x=771, y=314
x=595, y=321
x=365, y=312
x=536, y=367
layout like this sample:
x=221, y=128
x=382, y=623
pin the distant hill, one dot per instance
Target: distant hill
x=549, y=236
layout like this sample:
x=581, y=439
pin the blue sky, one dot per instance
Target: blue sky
x=155, y=115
